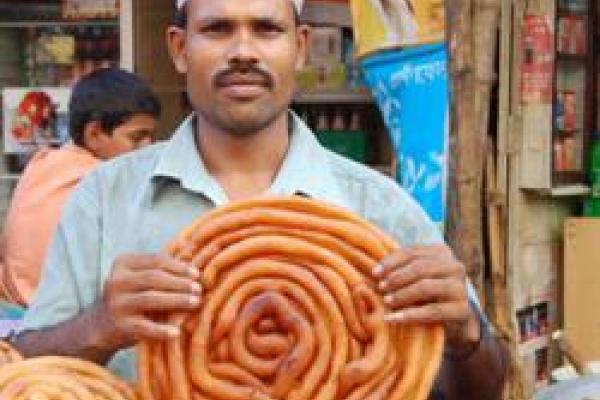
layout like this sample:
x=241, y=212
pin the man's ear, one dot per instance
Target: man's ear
x=92, y=136
x=176, y=43
x=302, y=38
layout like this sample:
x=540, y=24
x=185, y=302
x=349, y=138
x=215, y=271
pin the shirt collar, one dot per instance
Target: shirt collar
x=305, y=169
x=181, y=161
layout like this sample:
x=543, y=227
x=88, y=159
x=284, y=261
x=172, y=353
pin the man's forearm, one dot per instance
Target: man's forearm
x=480, y=376
x=89, y=336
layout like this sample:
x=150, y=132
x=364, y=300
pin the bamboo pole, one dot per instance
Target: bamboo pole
x=472, y=34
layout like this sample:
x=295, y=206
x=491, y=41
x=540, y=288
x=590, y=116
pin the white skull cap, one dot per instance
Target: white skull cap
x=297, y=3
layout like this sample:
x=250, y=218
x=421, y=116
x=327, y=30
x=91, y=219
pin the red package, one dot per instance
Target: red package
x=572, y=35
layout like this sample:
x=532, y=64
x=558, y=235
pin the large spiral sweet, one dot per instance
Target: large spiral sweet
x=289, y=311
x=8, y=354
x=60, y=378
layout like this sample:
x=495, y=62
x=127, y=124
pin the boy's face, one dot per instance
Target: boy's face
x=240, y=58
x=136, y=132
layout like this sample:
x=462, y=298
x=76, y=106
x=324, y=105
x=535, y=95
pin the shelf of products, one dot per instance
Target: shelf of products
x=333, y=99
x=46, y=46
x=57, y=23
x=45, y=10
x=56, y=55
x=574, y=95
x=53, y=42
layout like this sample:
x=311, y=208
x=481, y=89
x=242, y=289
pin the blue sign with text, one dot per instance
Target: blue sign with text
x=411, y=89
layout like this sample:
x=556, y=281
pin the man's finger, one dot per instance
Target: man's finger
x=156, y=279
x=414, y=271
x=158, y=261
x=155, y=301
x=426, y=291
x=437, y=249
x=430, y=313
x=142, y=328
x=391, y=262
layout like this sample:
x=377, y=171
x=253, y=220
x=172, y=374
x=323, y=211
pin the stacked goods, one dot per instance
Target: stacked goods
x=290, y=311
x=8, y=354
x=57, y=378
x=90, y=9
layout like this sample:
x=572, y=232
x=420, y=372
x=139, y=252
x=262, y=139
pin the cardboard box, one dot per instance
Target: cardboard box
x=581, y=286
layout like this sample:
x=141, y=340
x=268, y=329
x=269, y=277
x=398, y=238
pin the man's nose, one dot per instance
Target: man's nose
x=243, y=49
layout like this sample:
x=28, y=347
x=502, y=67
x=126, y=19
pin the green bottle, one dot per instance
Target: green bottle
x=591, y=206
x=594, y=165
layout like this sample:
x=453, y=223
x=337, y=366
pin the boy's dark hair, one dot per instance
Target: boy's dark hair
x=180, y=16
x=109, y=96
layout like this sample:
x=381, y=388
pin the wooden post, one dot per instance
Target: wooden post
x=473, y=39
x=472, y=33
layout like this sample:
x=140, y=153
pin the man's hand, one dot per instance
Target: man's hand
x=140, y=288
x=427, y=284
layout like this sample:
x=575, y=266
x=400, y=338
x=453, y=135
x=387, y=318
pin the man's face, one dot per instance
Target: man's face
x=240, y=57
x=136, y=132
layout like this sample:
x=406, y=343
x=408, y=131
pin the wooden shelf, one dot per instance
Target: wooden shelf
x=10, y=177
x=568, y=132
x=343, y=97
x=563, y=12
x=327, y=14
x=583, y=58
x=574, y=190
x=52, y=24
x=534, y=344
x=567, y=178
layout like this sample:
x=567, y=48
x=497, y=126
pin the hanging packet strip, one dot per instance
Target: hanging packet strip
x=411, y=90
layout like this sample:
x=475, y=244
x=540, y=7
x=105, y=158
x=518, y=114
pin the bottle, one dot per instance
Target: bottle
x=355, y=121
x=594, y=165
x=591, y=206
x=322, y=121
x=29, y=57
x=338, y=123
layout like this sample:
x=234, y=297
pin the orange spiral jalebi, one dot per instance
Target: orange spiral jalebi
x=8, y=354
x=290, y=311
x=61, y=378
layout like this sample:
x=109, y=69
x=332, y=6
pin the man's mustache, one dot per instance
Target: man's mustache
x=253, y=74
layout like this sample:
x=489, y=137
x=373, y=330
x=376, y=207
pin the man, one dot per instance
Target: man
x=239, y=58
x=110, y=112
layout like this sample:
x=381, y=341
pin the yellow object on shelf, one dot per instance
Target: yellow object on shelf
x=380, y=24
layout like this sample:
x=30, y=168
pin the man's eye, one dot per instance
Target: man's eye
x=268, y=28
x=217, y=27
